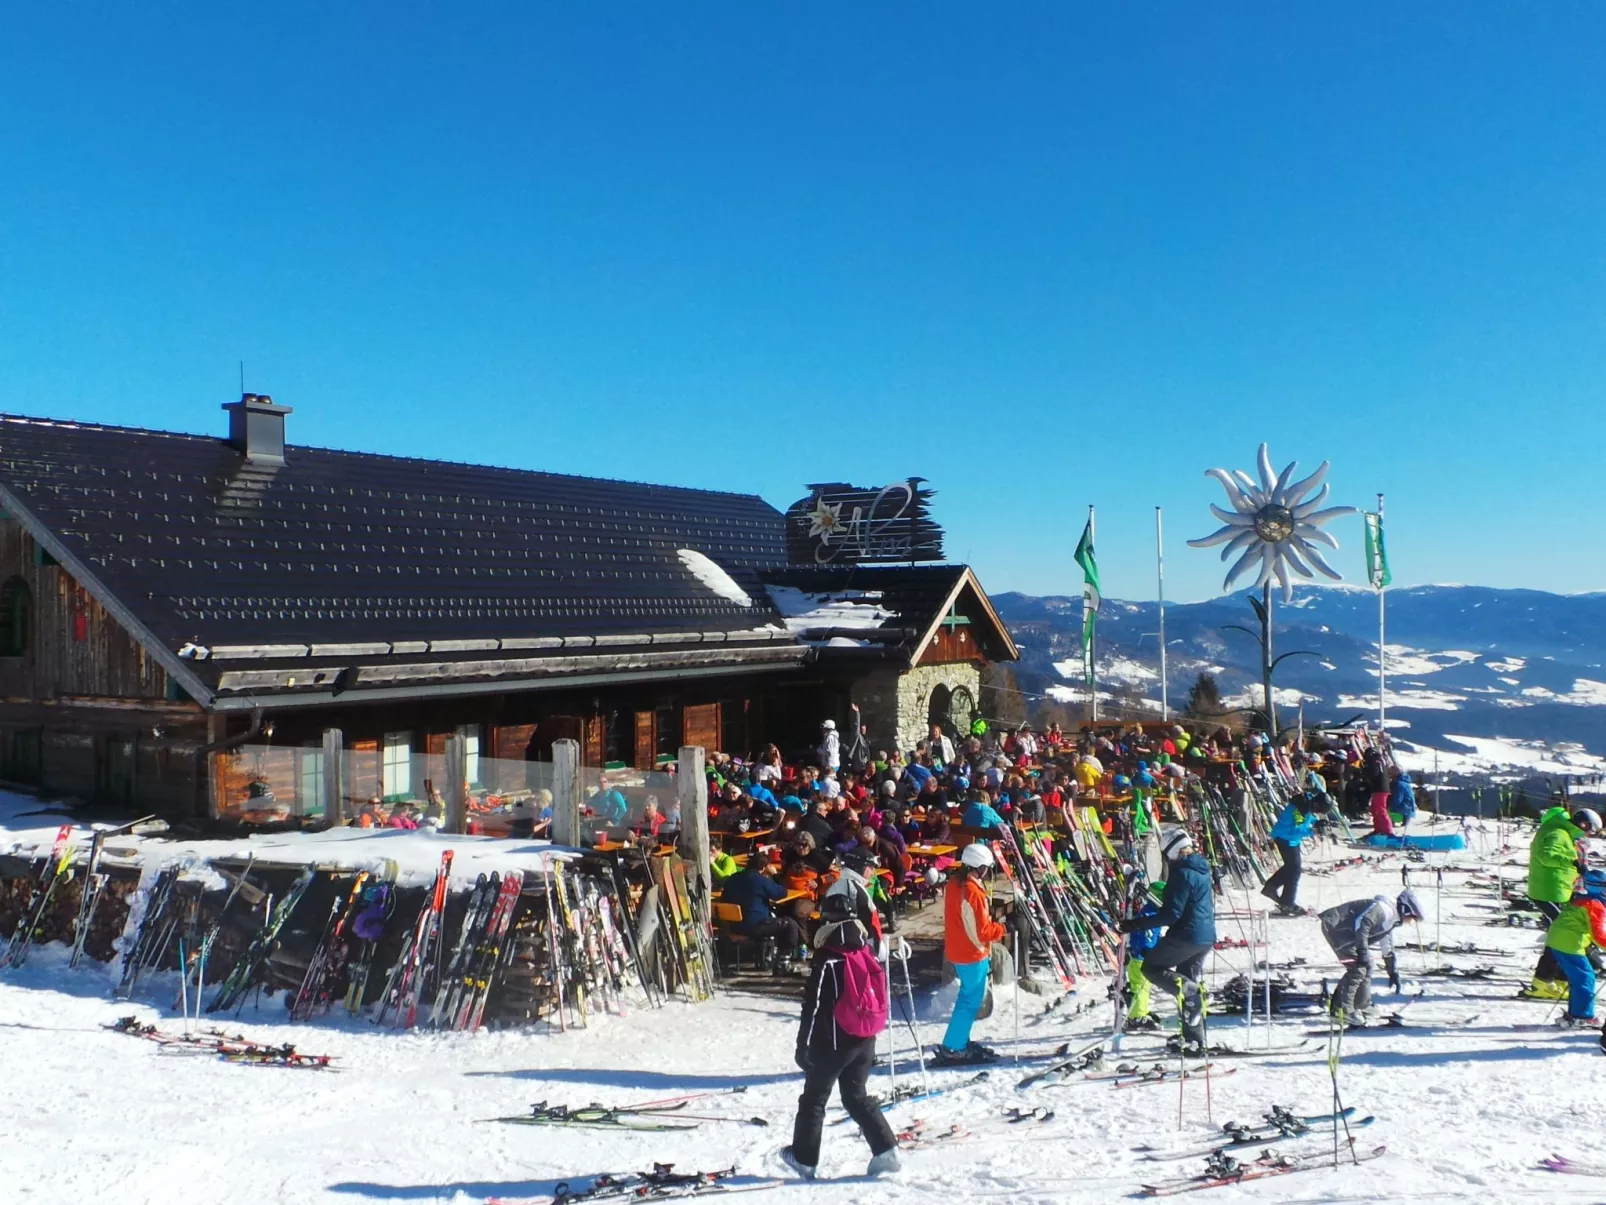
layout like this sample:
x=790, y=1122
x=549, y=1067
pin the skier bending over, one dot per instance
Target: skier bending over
x=1188, y=908
x=833, y=1047
x=1352, y=930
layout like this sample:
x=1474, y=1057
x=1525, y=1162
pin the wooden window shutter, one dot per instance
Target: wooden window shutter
x=700, y=726
x=646, y=740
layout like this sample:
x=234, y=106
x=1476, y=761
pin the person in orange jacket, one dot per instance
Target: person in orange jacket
x=968, y=934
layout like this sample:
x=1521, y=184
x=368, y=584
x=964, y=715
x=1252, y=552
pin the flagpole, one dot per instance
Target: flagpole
x=1092, y=644
x=1159, y=568
x=1382, y=651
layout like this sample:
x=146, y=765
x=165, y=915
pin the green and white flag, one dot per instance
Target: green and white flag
x=1377, y=556
x=1090, y=597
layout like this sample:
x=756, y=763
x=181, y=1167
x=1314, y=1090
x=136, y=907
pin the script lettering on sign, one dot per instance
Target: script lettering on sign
x=845, y=524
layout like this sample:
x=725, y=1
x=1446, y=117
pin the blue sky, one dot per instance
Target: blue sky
x=1070, y=254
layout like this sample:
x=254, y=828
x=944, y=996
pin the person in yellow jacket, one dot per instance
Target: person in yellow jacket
x=968, y=934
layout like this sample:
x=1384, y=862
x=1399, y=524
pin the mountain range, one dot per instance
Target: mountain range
x=1487, y=678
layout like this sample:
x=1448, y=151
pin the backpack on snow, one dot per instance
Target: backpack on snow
x=861, y=1006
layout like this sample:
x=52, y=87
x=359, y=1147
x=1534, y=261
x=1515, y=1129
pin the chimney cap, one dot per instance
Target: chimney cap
x=259, y=402
x=256, y=427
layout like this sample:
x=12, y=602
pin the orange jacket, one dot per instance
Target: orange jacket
x=969, y=928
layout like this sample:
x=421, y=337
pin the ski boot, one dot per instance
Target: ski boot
x=791, y=1160
x=1143, y=1024
x=1545, y=989
x=1188, y=1048
x=970, y=1056
x=1568, y=1021
x=1291, y=910
x=883, y=1164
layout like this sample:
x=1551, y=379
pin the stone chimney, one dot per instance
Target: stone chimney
x=256, y=428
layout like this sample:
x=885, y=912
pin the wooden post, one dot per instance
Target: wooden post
x=334, y=776
x=566, y=792
x=456, y=784
x=691, y=781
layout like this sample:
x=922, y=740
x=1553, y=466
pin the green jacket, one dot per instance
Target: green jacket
x=1553, y=858
x=1580, y=925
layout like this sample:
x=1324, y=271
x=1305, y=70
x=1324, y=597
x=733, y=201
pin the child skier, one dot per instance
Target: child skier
x=1138, y=1017
x=1352, y=930
x=844, y=1008
x=1582, y=924
x=968, y=934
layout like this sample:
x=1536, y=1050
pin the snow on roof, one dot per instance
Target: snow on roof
x=710, y=574
x=806, y=609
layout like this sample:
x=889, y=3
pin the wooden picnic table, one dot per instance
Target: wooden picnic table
x=932, y=851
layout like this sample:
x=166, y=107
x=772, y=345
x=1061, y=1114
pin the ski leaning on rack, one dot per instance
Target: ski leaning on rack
x=251, y=964
x=488, y=955
x=476, y=915
x=151, y=935
x=1222, y=1169
x=56, y=866
x=88, y=899
x=329, y=957
x=418, y=957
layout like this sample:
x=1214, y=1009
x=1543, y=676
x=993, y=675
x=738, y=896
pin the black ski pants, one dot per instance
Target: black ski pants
x=783, y=929
x=846, y=1068
x=1283, y=887
x=1176, y=967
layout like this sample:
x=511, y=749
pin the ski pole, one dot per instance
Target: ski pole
x=1017, y=996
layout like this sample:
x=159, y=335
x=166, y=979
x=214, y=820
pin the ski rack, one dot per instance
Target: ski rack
x=1256, y=929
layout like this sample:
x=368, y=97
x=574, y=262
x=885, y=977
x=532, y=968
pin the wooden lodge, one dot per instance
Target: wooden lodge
x=167, y=600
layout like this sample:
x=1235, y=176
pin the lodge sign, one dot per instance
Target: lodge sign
x=841, y=524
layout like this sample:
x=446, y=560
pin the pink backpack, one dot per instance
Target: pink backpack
x=862, y=1006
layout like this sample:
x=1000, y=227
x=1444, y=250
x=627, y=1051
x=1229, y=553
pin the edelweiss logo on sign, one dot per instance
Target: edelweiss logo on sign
x=840, y=523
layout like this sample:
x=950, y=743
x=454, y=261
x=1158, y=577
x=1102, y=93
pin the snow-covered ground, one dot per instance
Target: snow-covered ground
x=90, y=1116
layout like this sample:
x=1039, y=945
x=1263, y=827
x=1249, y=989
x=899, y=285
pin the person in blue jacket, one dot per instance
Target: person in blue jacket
x=753, y=893
x=1403, y=799
x=1188, y=914
x=1138, y=1017
x=980, y=815
x=1295, y=823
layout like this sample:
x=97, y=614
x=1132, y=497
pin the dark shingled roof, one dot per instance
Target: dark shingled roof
x=259, y=583
x=204, y=548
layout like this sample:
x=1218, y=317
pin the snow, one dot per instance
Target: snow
x=1507, y=665
x=417, y=852
x=711, y=574
x=1405, y=661
x=1409, y=698
x=96, y=1118
x=1492, y=756
x=804, y=610
x=1285, y=696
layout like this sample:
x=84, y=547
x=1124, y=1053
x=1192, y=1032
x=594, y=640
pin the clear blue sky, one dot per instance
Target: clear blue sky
x=1072, y=254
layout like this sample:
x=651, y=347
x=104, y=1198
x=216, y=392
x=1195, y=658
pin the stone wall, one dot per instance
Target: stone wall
x=894, y=706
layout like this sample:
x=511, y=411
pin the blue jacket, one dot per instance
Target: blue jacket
x=1295, y=823
x=980, y=815
x=1404, y=798
x=763, y=794
x=1140, y=943
x=753, y=893
x=1189, y=905
x=610, y=805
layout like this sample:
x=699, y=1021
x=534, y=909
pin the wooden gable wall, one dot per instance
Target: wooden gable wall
x=76, y=649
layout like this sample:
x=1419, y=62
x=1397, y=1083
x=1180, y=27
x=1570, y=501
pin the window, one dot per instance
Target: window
x=309, y=785
x=471, y=756
x=397, y=768
x=16, y=618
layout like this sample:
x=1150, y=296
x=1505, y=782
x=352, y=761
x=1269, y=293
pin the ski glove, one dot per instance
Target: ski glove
x=1133, y=924
x=1392, y=965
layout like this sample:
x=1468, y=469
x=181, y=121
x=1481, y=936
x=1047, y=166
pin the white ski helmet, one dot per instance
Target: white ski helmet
x=977, y=856
x=1587, y=819
x=1175, y=842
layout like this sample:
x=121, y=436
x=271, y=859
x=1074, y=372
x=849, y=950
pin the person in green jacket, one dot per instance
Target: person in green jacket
x=1552, y=872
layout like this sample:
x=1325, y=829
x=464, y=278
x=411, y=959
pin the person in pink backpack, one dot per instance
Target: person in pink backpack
x=844, y=1007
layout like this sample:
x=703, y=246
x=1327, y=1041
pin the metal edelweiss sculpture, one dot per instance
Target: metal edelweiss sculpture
x=1271, y=524
x=1277, y=525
